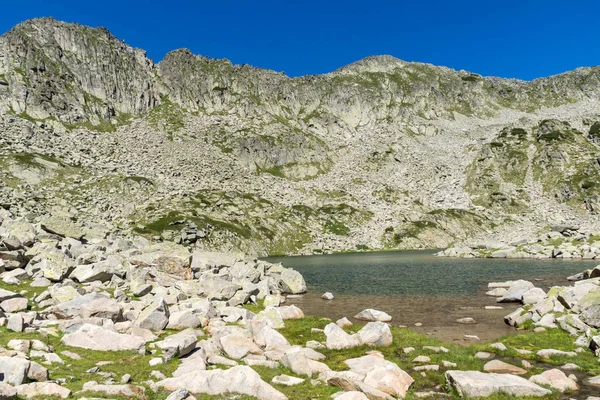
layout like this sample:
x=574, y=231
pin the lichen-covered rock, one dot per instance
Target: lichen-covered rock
x=589, y=308
x=293, y=282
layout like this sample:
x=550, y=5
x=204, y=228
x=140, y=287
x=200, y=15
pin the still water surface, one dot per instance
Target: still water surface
x=417, y=287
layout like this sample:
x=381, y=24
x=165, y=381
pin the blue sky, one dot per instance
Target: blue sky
x=522, y=39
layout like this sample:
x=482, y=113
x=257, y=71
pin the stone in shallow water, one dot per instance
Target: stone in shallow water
x=327, y=296
x=373, y=315
x=595, y=381
x=338, y=339
x=515, y=291
x=497, y=292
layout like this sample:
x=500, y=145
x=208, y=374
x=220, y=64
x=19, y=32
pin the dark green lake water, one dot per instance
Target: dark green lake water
x=416, y=286
x=420, y=273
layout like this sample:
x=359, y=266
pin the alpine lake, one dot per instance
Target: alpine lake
x=416, y=287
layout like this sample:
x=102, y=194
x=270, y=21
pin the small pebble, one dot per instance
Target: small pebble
x=483, y=355
x=448, y=364
x=155, y=361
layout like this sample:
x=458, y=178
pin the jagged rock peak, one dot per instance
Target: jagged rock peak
x=73, y=73
x=383, y=63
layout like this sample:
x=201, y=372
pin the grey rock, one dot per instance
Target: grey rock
x=292, y=282
x=239, y=379
x=478, y=384
x=13, y=370
x=155, y=316
x=373, y=315
x=15, y=323
x=375, y=334
x=516, y=291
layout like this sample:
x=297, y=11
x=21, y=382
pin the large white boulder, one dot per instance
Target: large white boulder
x=479, y=384
x=97, y=338
x=240, y=379
x=338, y=339
x=376, y=334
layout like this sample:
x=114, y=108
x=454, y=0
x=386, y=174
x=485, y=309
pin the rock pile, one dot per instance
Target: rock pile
x=562, y=242
x=116, y=294
x=575, y=309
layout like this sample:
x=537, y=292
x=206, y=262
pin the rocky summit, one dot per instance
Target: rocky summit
x=380, y=154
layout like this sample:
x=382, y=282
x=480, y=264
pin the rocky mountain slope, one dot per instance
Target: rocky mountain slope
x=380, y=154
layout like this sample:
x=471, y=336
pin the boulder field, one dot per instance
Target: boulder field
x=118, y=317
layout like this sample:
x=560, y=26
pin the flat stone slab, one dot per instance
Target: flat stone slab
x=501, y=367
x=479, y=384
x=373, y=315
x=287, y=380
x=240, y=379
x=97, y=338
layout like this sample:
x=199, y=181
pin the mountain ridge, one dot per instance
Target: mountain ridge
x=379, y=154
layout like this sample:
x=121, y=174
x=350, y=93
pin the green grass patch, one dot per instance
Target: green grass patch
x=73, y=371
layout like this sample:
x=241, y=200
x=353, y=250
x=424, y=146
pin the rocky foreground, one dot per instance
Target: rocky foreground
x=115, y=318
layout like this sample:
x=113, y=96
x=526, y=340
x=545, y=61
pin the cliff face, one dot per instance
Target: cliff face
x=73, y=73
x=378, y=154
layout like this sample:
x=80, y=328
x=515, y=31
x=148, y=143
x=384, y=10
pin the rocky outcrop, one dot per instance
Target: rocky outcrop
x=73, y=73
x=561, y=242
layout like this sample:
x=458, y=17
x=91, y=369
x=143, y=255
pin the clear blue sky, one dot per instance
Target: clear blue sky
x=510, y=38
